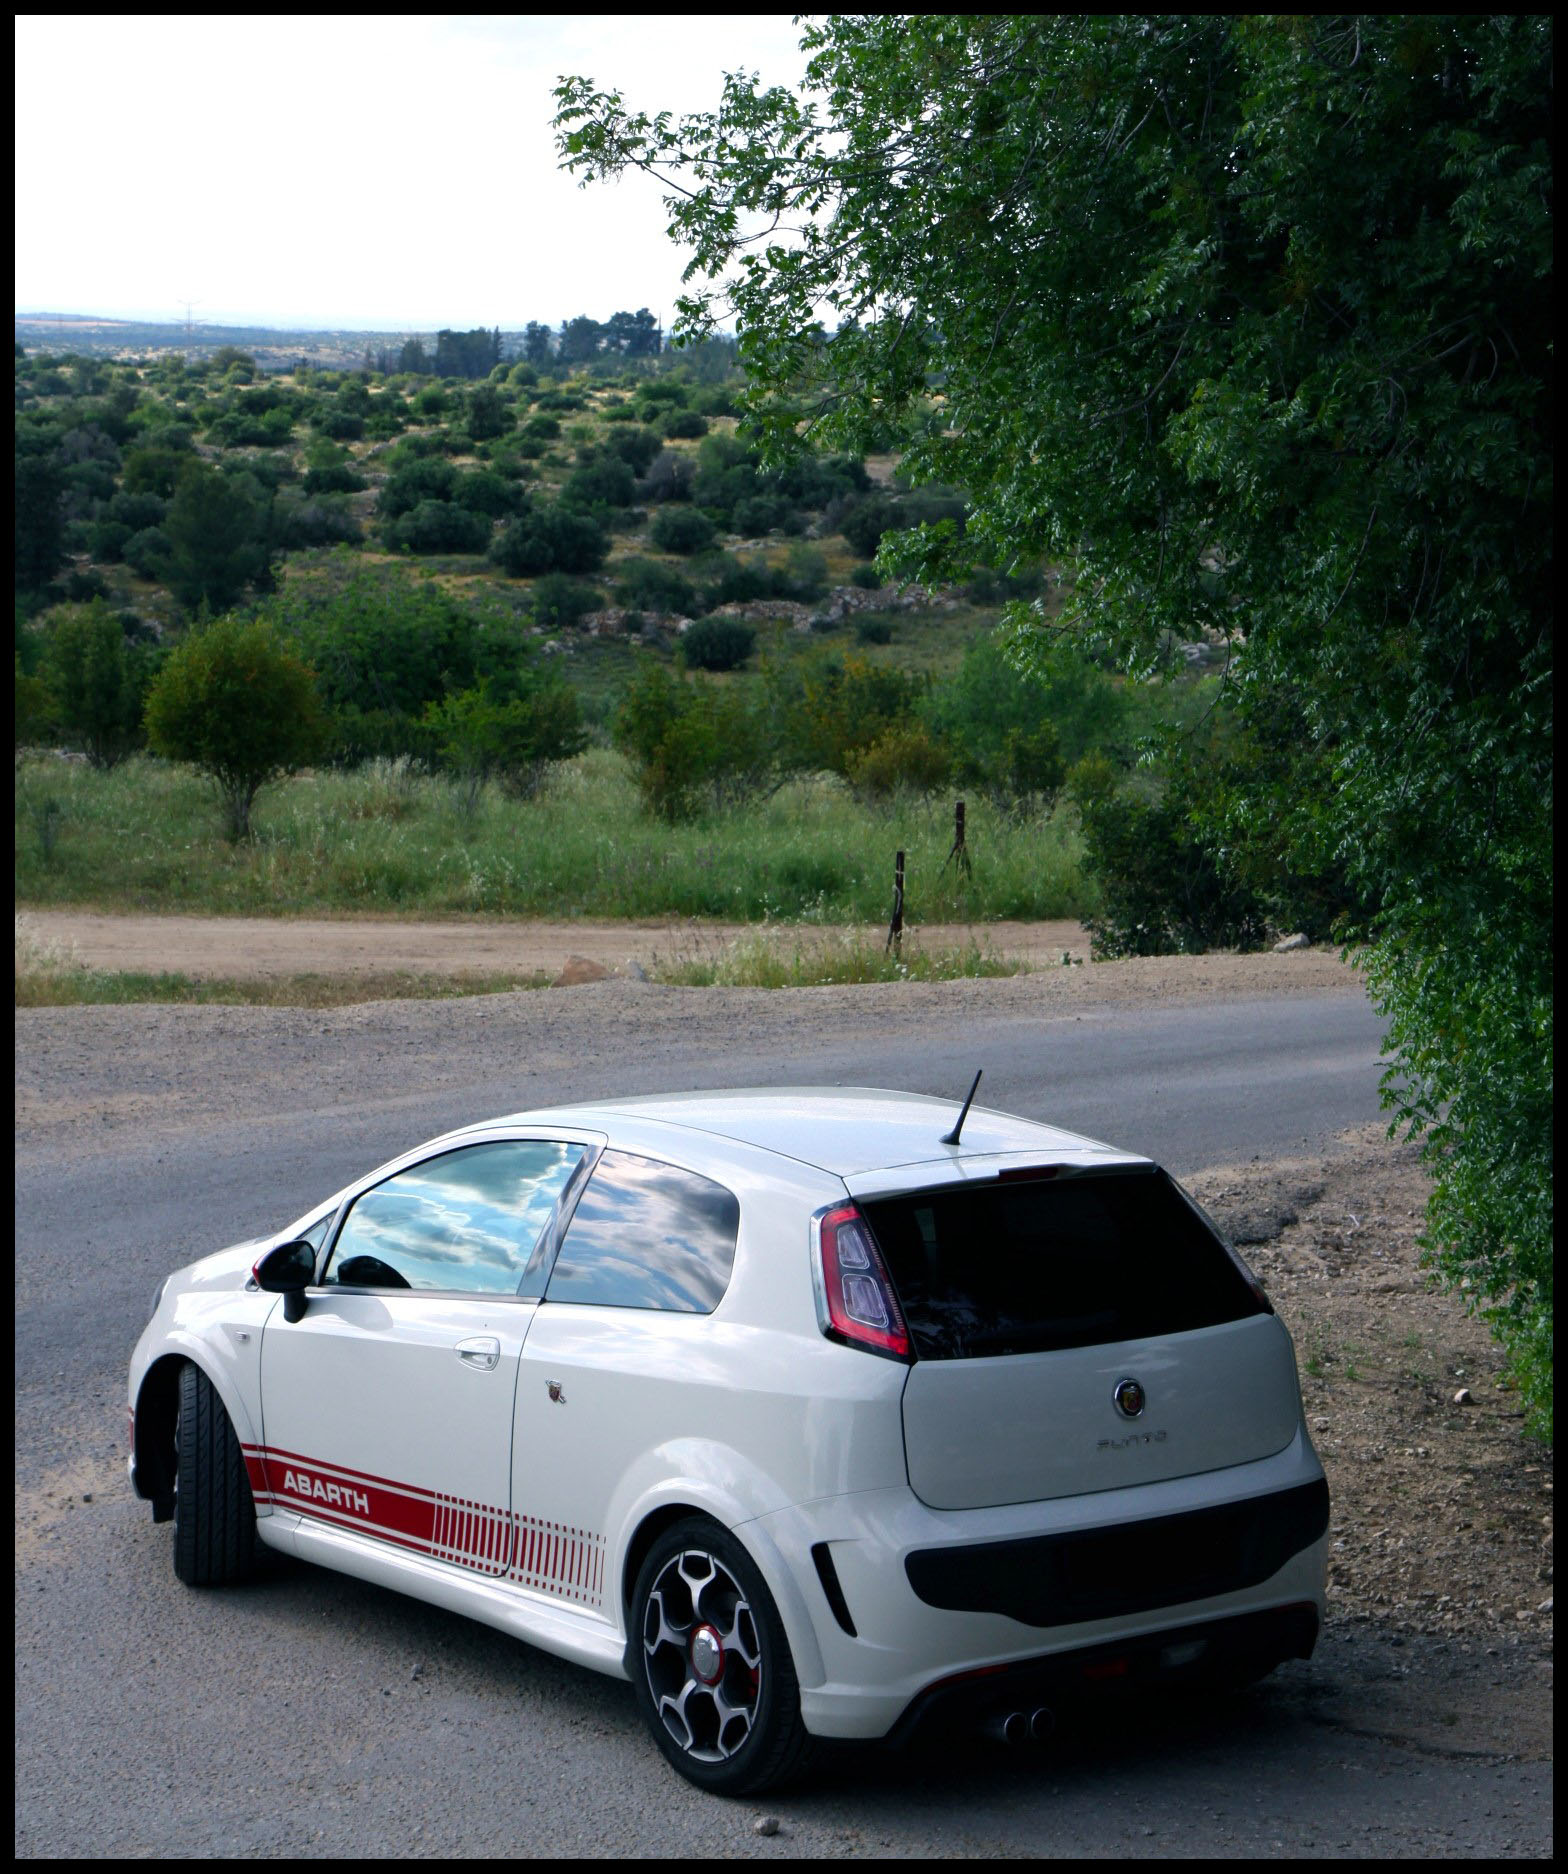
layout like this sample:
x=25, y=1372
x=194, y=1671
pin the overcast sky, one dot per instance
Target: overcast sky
x=348, y=172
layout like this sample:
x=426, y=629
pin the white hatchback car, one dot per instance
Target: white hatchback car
x=807, y=1412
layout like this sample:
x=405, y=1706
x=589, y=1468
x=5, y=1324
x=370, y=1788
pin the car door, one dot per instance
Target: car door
x=387, y=1407
x=619, y=1358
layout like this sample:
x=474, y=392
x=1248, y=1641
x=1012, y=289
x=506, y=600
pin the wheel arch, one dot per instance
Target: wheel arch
x=157, y=1407
x=805, y=1652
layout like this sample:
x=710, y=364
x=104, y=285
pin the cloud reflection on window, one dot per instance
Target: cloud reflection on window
x=648, y=1235
x=467, y=1220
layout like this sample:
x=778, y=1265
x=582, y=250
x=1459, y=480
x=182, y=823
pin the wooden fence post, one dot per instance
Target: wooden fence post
x=895, y=930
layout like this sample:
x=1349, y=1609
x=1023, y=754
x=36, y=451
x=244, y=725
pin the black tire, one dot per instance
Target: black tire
x=214, y=1511
x=740, y=1732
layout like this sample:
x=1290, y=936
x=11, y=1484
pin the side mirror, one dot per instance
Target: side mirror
x=288, y=1271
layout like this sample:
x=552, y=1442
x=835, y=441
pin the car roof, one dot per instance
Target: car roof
x=841, y=1130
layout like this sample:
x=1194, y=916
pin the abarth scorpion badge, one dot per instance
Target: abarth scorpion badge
x=1129, y=1398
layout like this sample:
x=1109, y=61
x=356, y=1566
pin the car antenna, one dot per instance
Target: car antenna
x=951, y=1138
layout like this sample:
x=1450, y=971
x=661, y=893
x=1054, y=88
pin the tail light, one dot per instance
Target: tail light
x=856, y=1302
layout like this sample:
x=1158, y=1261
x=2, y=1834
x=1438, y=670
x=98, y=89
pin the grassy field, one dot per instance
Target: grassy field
x=147, y=836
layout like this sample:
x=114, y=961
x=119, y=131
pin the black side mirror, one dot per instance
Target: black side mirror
x=288, y=1271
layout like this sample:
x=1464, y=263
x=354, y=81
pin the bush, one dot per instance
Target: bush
x=873, y=630
x=646, y=586
x=603, y=482
x=551, y=540
x=758, y=514
x=1162, y=890
x=559, y=601
x=681, y=530
x=239, y=706
x=313, y=522
x=634, y=445
x=866, y=577
x=483, y=491
x=147, y=553
x=670, y=477
x=96, y=681
x=478, y=735
x=683, y=423
x=422, y=479
x=717, y=643
x=439, y=527
x=903, y=759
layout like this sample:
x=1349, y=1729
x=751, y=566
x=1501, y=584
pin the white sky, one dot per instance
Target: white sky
x=348, y=171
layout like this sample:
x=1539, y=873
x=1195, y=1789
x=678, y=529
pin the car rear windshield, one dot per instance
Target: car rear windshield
x=1068, y=1261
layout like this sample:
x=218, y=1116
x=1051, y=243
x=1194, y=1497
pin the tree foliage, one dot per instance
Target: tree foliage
x=96, y=681
x=1246, y=321
x=238, y=705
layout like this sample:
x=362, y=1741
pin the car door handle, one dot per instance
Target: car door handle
x=481, y=1352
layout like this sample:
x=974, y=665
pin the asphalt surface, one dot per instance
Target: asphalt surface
x=309, y=1714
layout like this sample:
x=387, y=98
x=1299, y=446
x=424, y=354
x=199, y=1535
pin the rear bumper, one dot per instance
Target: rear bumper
x=1207, y=1653
x=935, y=1596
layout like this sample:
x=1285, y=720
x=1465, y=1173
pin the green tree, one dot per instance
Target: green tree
x=217, y=535
x=1246, y=320
x=96, y=680
x=239, y=706
x=479, y=735
x=40, y=521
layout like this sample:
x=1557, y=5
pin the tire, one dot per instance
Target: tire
x=700, y=1607
x=214, y=1511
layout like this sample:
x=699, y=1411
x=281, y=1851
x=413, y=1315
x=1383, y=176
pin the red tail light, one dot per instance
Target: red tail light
x=856, y=1302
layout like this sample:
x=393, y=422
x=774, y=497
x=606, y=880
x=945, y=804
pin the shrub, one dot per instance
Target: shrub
x=647, y=586
x=604, y=482
x=681, y=530
x=670, y=477
x=422, y=479
x=866, y=577
x=96, y=681
x=313, y=522
x=239, y=706
x=439, y=527
x=483, y=491
x=757, y=514
x=551, y=540
x=147, y=553
x=478, y=735
x=1163, y=892
x=559, y=601
x=873, y=630
x=903, y=758
x=683, y=423
x=634, y=445
x=717, y=643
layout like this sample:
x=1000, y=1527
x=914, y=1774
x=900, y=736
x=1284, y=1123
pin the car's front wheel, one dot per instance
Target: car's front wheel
x=711, y=1665
x=214, y=1511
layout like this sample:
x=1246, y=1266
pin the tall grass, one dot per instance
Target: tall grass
x=148, y=836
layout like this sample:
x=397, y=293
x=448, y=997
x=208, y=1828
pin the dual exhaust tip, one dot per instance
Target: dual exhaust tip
x=1021, y=1727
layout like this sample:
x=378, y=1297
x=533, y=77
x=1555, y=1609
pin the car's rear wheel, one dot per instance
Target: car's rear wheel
x=711, y=1665
x=214, y=1511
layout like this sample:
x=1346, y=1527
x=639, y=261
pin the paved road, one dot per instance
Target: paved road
x=310, y=1714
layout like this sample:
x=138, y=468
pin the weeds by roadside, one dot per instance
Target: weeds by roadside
x=144, y=837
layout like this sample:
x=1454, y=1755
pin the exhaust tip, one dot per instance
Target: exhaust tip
x=1008, y=1727
x=1042, y=1722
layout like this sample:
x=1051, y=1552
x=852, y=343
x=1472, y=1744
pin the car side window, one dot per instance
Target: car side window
x=467, y=1221
x=648, y=1235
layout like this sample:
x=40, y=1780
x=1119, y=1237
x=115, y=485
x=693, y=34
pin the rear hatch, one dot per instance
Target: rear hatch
x=1033, y=1296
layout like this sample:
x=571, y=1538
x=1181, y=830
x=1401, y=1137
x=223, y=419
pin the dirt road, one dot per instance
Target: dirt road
x=244, y=947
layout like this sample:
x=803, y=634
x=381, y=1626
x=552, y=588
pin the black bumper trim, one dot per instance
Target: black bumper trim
x=1129, y=1568
x=1208, y=1653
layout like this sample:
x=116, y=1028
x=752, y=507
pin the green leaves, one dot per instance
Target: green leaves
x=1245, y=321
